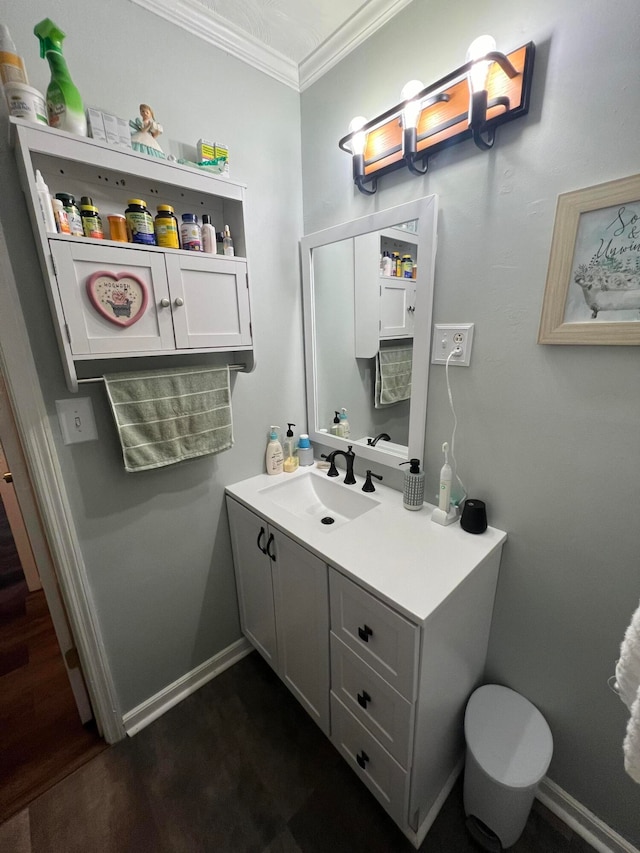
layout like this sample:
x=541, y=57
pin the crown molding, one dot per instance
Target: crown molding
x=216, y=30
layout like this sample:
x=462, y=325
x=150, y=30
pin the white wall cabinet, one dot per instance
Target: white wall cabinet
x=194, y=302
x=283, y=595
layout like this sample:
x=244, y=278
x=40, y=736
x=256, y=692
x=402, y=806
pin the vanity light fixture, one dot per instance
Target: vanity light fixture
x=470, y=102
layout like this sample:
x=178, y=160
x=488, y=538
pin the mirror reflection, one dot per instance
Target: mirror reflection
x=368, y=299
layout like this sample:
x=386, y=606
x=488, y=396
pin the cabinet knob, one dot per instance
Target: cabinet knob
x=179, y=302
x=8, y=477
x=363, y=698
x=362, y=759
x=364, y=633
x=164, y=303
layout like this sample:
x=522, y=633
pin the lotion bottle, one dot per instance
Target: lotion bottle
x=208, y=235
x=413, y=491
x=45, y=203
x=274, y=454
x=291, y=460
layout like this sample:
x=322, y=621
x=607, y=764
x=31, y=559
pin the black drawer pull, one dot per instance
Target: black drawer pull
x=363, y=698
x=260, y=535
x=364, y=633
x=362, y=759
x=268, y=549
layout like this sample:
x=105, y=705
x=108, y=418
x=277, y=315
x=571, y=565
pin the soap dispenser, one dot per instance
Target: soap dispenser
x=413, y=491
x=274, y=458
x=345, y=430
x=291, y=460
x=336, y=428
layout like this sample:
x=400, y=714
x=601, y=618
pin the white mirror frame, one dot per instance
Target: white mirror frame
x=425, y=210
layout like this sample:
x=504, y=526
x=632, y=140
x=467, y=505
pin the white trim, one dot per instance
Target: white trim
x=348, y=37
x=583, y=822
x=32, y=422
x=155, y=706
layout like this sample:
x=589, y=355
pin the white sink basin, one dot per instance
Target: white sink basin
x=319, y=498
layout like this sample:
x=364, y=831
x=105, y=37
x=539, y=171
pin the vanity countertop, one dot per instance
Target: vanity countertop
x=400, y=556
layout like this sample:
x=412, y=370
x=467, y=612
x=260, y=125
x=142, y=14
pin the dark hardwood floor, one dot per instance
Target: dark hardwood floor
x=238, y=767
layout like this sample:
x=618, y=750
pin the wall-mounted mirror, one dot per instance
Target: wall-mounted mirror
x=368, y=332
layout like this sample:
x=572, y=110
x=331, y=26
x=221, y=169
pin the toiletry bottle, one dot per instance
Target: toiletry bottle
x=64, y=104
x=336, y=427
x=413, y=491
x=227, y=243
x=305, y=451
x=274, y=454
x=291, y=460
x=446, y=476
x=45, y=203
x=11, y=65
x=344, y=424
x=208, y=235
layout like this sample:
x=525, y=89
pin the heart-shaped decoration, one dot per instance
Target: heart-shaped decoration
x=119, y=297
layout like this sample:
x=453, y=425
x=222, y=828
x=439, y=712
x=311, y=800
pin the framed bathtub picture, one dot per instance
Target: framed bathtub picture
x=592, y=294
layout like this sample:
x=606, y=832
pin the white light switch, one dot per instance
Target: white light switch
x=76, y=420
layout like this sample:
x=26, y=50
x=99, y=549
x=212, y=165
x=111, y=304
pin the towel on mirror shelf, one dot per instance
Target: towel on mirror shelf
x=166, y=416
x=393, y=375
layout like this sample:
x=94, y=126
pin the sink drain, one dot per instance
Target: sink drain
x=327, y=520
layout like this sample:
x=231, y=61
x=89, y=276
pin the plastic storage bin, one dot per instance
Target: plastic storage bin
x=509, y=748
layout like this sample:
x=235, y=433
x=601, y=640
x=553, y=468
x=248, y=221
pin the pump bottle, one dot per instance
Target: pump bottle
x=291, y=460
x=344, y=424
x=336, y=428
x=274, y=458
x=413, y=491
x=64, y=104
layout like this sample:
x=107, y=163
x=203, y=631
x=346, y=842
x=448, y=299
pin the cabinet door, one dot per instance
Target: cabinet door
x=209, y=300
x=99, y=325
x=397, y=307
x=302, y=624
x=249, y=538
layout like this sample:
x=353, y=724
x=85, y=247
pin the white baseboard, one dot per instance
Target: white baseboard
x=155, y=706
x=583, y=822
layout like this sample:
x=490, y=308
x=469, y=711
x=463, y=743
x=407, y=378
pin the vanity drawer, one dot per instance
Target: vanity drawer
x=385, y=640
x=382, y=775
x=380, y=708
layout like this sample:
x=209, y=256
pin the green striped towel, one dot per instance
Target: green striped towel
x=165, y=416
x=393, y=375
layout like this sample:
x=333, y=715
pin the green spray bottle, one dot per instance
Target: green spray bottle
x=64, y=104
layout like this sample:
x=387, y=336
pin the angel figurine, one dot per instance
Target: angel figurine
x=145, y=130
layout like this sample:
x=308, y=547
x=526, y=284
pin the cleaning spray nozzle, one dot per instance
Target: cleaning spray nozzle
x=50, y=36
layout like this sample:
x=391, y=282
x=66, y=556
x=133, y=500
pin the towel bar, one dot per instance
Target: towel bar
x=101, y=378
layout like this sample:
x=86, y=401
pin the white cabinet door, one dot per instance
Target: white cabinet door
x=301, y=595
x=99, y=324
x=249, y=540
x=209, y=301
x=397, y=307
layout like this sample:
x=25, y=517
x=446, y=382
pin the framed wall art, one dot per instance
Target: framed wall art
x=592, y=294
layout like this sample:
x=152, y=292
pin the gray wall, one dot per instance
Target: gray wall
x=155, y=543
x=546, y=435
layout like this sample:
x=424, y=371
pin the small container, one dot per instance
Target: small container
x=139, y=223
x=190, y=233
x=26, y=102
x=208, y=235
x=118, y=228
x=60, y=216
x=73, y=214
x=414, y=271
x=227, y=243
x=395, y=263
x=305, y=451
x=166, y=227
x=407, y=266
x=413, y=491
x=91, y=222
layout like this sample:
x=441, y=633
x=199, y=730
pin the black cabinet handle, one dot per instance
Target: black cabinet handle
x=362, y=759
x=363, y=698
x=260, y=535
x=268, y=548
x=364, y=633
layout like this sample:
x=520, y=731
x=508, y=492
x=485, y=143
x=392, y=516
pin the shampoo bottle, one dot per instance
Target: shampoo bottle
x=274, y=458
x=291, y=460
x=413, y=491
x=344, y=424
x=446, y=476
x=64, y=104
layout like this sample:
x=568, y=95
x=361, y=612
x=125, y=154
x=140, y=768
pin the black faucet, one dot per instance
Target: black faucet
x=349, y=456
x=373, y=441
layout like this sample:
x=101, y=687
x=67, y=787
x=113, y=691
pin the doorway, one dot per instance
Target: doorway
x=45, y=716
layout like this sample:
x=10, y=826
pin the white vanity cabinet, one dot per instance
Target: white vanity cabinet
x=283, y=594
x=184, y=302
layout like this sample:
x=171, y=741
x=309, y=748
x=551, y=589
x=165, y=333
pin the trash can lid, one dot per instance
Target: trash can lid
x=508, y=736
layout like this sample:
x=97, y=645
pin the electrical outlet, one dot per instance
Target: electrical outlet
x=76, y=420
x=448, y=336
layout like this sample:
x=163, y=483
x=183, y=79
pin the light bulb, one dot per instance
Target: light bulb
x=477, y=49
x=411, y=113
x=358, y=140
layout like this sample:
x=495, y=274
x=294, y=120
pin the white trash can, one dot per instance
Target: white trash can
x=509, y=748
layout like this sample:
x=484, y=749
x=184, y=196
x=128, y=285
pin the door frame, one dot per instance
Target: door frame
x=67, y=569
